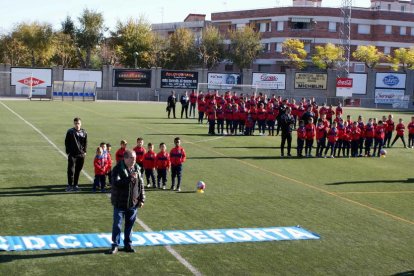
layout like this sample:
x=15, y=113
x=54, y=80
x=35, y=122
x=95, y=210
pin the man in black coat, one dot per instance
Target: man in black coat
x=127, y=194
x=76, y=142
x=185, y=101
x=287, y=122
x=171, y=101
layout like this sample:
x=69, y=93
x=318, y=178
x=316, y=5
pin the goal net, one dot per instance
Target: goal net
x=74, y=90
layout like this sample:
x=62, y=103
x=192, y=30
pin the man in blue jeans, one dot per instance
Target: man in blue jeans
x=127, y=194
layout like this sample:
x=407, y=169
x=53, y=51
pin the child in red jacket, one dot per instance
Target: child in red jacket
x=379, y=138
x=149, y=165
x=99, y=164
x=301, y=137
x=140, y=152
x=162, y=164
x=177, y=158
x=321, y=131
x=119, y=155
x=332, y=139
x=310, y=136
x=400, y=132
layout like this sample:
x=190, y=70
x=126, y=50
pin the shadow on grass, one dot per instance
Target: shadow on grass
x=179, y=134
x=405, y=273
x=15, y=257
x=408, y=180
x=44, y=190
x=247, y=157
x=245, y=147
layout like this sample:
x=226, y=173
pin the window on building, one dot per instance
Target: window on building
x=387, y=50
x=278, y=47
x=388, y=29
x=297, y=23
x=307, y=44
x=266, y=47
x=228, y=67
x=403, y=8
x=403, y=30
x=389, y=7
x=412, y=31
x=280, y=26
x=240, y=26
x=364, y=29
x=265, y=67
x=261, y=26
x=332, y=26
x=359, y=67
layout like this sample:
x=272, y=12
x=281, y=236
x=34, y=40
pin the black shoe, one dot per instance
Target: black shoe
x=113, y=250
x=129, y=249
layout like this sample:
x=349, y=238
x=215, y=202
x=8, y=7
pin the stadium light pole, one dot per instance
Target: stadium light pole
x=135, y=54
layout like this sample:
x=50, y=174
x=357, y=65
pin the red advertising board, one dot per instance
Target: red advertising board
x=344, y=82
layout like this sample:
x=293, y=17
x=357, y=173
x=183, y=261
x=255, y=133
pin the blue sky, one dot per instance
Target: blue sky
x=155, y=11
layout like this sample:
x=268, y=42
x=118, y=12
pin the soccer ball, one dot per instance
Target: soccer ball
x=383, y=152
x=201, y=186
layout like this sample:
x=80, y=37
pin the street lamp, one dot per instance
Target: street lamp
x=135, y=54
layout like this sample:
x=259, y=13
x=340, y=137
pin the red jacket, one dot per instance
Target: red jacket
x=220, y=113
x=149, y=160
x=338, y=111
x=390, y=126
x=271, y=115
x=330, y=113
x=211, y=113
x=201, y=106
x=242, y=114
x=193, y=98
x=162, y=160
x=119, y=155
x=355, y=133
x=301, y=132
x=379, y=132
x=108, y=161
x=99, y=163
x=369, y=131
x=177, y=156
x=333, y=135
x=320, y=132
x=228, y=113
x=400, y=129
x=310, y=131
x=140, y=152
x=411, y=128
x=261, y=114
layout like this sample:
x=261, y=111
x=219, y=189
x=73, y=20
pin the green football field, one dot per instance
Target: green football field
x=362, y=208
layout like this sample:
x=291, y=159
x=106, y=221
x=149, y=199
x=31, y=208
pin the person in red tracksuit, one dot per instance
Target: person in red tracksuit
x=99, y=164
x=236, y=118
x=310, y=136
x=149, y=165
x=340, y=142
x=332, y=139
x=253, y=114
x=261, y=119
x=193, y=101
x=220, y=119
x=329, y=114
x=321, y=132
x=201, y=106
x=355, y=135
x=177, y=157
x=162, y=164
x=346, y=139
x=119, y=155
x=411, y=133
x=379, y=138
x=211, y=117
x=339, y=110
x=361, y=126
x=271, y=119
x=389, y=129
x=140, y=152
x=400, y=132
x=228, y=116
x=109, y=162
x=242, y=117
x=301, y=137
x=369, y=133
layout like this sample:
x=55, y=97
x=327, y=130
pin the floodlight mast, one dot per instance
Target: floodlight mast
x=345, y=37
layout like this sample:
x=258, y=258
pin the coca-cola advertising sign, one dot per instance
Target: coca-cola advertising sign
x=344, y=82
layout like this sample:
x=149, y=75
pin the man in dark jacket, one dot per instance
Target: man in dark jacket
x=76, y=142
x=127, y=194
x=185, y=101
x=286, y=124
x=171, y=101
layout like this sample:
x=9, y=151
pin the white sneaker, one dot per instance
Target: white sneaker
x=332, y=156
x=148, y=185
x=178, y=189
x=163, y=187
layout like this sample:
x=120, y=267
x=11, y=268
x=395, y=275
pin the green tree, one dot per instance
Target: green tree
x=245, y=47
x=65, y=50
x=13, y=52
x=368, y=55
x=89, y=35
x=134, y=36
x=328, y=56
x=403, y=58
x=211, y=47
x=294, y=52
x=37, y=38
x=182, y=49
x=159, y=56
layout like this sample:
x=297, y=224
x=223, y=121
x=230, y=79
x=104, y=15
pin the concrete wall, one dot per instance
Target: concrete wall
x=155, y=93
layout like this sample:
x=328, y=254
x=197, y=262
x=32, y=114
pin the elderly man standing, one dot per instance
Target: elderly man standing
x=127, y=195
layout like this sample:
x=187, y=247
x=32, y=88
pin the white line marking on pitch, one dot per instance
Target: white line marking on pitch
x=206, y=140
x=172, y=251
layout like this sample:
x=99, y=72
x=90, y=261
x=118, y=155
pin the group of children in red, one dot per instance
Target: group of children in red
x=148, y=161
x=241, y=114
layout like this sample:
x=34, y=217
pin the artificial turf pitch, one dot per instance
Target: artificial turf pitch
x=363, y=208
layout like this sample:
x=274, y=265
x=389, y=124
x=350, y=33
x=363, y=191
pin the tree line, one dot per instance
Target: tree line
x=87, y=43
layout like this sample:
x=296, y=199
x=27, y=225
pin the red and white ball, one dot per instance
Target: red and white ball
x=201, y=185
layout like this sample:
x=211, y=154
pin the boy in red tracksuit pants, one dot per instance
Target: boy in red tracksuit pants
x=346, y=139
x=149, y=165
x=400, y=128
x=99, y=164
x=320, y=138
x=271, y=119
x=356, y=135
x=369, y=137
x=162, y=164
x=261, y=119
x=301, y=133
x=310, y=136
x=220, y=119
x=177, y=157
x=379, y=138
x=332, y=139
x=140, y=152
x=211, y=117
x=411, y=133
x=109, y=163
